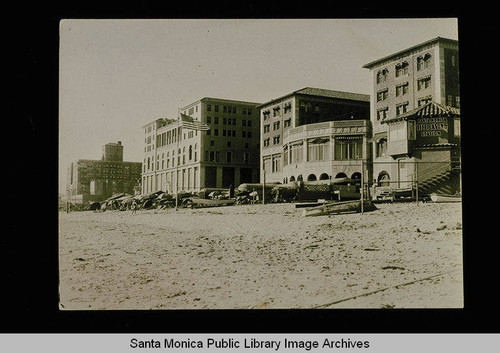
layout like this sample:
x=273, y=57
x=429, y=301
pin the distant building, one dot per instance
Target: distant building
x=314, y=134
x=225, y=155
x=415, y=112
x=96, y=180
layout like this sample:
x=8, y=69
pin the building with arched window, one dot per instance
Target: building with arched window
x=313, y=134
x=415, y=114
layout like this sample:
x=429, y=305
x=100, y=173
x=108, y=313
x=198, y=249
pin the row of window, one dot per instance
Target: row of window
x=229, y=109
x=344, y=150
x=228, y=121
x=401, y=69
x=214, y=156
x=402, y=89
x=401, y=108
x=229, y=133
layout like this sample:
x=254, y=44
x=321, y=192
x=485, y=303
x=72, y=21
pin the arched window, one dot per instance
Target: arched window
x=341, y=175
x=311, y=177
x=382, y=75
x=299, y=178
x=324, y=176
x=402, y=69
x=383, y=178
x=356, y=175
x=292, y=178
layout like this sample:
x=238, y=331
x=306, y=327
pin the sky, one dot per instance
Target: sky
x=117, y=75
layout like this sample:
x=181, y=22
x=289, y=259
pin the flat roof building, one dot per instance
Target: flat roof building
x=313, y=134
x=224, y=155
x=97, y=180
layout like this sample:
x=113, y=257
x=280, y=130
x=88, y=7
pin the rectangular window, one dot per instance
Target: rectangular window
x=348, y=149
x=276, y=164
x=216, y=108
x=401, y=108
x=382, y=95
x=382, y=113
x=228, y=157
x=423, y=83
x=412, y=130
x=246, y=158
x=456, y=127
x=317, y=151
x=267, y=128
x=401, y=89
x=296, y=154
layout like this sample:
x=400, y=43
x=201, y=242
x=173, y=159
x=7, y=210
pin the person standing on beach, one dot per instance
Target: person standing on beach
x=134, y=207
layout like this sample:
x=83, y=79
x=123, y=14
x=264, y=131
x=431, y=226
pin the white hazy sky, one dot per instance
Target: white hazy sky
x=117, y=75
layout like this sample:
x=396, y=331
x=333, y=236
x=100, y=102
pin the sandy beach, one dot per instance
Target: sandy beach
x=403, y=255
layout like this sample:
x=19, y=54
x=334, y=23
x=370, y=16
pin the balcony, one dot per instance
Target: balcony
x=346, y=127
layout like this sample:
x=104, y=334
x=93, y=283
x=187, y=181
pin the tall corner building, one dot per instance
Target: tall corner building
x=415, y=113
x=314, y=134
x=180, y=159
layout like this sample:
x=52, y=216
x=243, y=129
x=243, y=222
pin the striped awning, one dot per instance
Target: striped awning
x=429, y=110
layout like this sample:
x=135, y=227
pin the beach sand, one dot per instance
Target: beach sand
x=403, y=255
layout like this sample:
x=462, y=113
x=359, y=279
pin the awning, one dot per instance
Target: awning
x=318, y=140
x=378, y=136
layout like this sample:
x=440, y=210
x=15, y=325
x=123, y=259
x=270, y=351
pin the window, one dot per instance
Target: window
x=267, y=164
x=402, y=69
x=276, y=139
x=243, y=134
x=216, y=108
x=401, y=108
x=229, y=156
x=382, y=76
x=223, y=121
x=267, y=128
x=423, y=62
x=266, y=114
x=381, y=148
x=316, y=151
x=276, y=163
x=216, y=132
x=224, y=109
x=276, y=111
x=382, y=95
x=244, y=111
x=246, y=158
x=424, y=83
x=234, y=110
x=456, y=127
x=249, y=112
x=216, y=120
x=228, y=143
x=402, y=89
x=249, y=122
x=424, y=101
x=276, y=125
x=249, y=134
x=412, y=130
x=296, y=152
x=234, y=122
x=382, y=113
x=348, y=149
x=266, y=142
x=223, y=132
x=287, y=123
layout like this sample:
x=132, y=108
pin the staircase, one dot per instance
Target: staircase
x=434, y=178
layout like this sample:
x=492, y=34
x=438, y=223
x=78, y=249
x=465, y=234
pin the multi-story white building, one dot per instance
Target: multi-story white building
x=225, y=155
